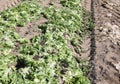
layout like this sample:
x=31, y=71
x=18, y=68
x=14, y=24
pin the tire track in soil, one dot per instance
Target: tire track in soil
x=104, y=53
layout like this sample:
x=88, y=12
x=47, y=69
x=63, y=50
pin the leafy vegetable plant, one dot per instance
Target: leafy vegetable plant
x=48, y=59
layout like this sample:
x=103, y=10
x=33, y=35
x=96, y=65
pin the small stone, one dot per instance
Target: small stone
x=111, y=4
x=118, y=66
x=109, y=15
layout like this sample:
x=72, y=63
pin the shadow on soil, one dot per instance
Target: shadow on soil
x=92, y=46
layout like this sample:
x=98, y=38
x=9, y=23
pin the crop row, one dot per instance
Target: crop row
x=46, y=58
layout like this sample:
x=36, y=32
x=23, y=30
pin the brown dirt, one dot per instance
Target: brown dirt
x=105, y=49
x=5, y=4
x=31, y=29
x=46, y=3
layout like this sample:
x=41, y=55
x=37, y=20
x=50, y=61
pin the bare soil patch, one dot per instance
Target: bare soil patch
x=5, y=4
x=31, y=29
x=105, y=50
